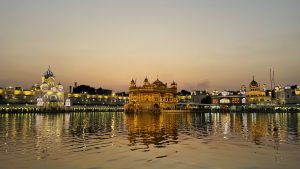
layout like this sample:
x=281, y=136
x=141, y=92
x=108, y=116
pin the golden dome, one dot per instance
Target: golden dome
x=158, y=83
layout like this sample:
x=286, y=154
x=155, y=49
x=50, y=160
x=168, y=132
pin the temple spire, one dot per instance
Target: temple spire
x=48, y=73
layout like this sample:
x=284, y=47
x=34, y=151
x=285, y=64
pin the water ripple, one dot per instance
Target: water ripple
x=143, y=138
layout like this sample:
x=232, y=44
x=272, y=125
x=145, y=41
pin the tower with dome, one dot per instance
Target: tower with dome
x=50, y=94
x=257, y=94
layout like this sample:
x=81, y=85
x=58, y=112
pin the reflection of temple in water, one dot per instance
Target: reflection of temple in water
x=95, y=122
x=45, y=134
x=158, y=129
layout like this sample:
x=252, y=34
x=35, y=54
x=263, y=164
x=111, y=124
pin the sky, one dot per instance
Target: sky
x=198, y=44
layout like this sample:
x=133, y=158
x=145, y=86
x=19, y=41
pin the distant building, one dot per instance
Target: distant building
x=96, y=99
x=17, y=95
x=87, y=95
x=48, y=94
x=198, y=96
x=256, y=95
x=122, y=94
x=151, y=96
x=288, y=95
x=229, y=98
x=104, y=91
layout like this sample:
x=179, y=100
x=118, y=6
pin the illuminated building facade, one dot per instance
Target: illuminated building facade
x=87, y=95
x=229, y=98
x=49, y=94
x=288, y=95
x=256, y=95
x=17, y=95
x=85, y=98
x=151, y=96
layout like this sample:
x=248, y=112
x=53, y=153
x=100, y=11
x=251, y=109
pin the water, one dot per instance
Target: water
x=173, y=140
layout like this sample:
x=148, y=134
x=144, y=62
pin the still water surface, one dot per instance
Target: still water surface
x=173, y=140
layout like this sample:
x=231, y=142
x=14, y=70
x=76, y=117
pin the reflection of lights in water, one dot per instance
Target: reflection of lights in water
x=112, y=126
x=244, y=118
x=207, y=117
x=52, y=136
x=245, y=123
x=253, y=115
x=225, y=119
x=215, y=121
x=225, y=128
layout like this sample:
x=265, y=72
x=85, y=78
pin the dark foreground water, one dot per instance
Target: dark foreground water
x=177, y=140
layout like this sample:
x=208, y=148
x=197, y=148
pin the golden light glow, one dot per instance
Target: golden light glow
x=28, y=92
x=151, y=96
x=256, y=94
x=49, y=92
x=17, y=92
x=215, y=101
x=76, y=95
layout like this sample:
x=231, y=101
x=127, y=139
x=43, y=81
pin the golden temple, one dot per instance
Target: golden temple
x=154, y=96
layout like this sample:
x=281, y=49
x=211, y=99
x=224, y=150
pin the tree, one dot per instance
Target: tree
x=206, y=100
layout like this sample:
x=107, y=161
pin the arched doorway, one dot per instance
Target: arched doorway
x=156, y=106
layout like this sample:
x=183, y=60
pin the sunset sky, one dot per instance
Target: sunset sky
x=199, y=44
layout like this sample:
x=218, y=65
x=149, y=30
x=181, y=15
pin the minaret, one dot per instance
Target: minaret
x=132, y=83
x=272, y=78
x=146, y=82
x=173, y=84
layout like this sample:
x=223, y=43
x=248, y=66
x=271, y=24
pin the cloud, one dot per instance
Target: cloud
x=203, y=84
